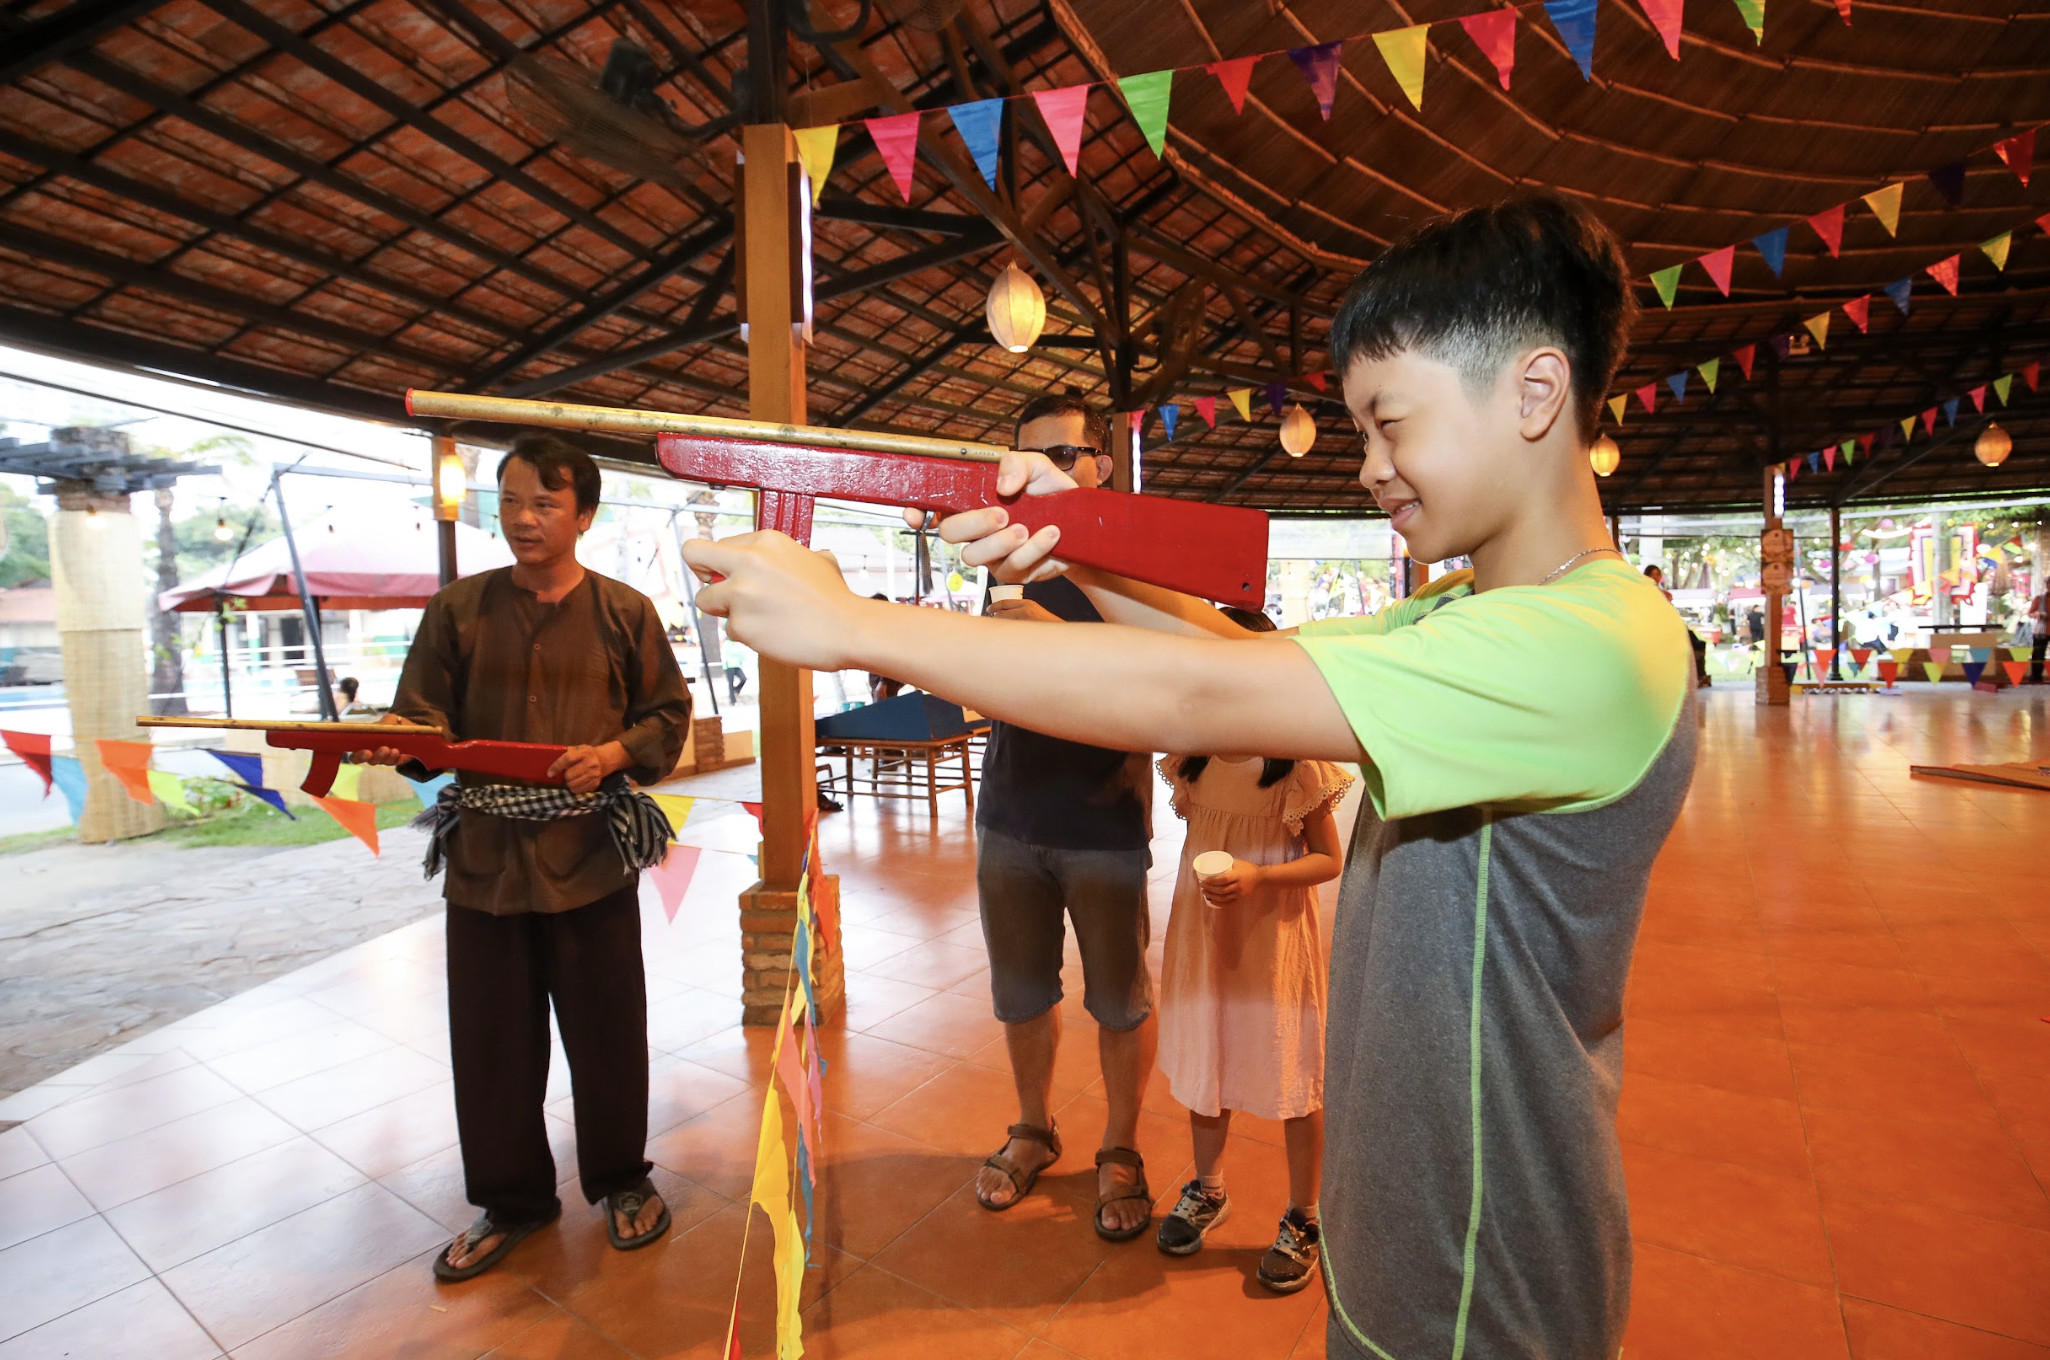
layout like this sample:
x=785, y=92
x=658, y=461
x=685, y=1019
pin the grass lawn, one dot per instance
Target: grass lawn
x=250, y=822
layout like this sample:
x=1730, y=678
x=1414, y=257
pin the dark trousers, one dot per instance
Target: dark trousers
x=2036, y=658
x=503, y=971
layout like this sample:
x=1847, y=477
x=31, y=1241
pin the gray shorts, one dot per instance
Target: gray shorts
x=1025, y=889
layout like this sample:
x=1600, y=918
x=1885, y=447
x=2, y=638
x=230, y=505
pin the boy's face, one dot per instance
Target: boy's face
x=1449, y=466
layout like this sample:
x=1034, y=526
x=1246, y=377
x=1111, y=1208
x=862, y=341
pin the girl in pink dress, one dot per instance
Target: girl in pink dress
x=1242, y=987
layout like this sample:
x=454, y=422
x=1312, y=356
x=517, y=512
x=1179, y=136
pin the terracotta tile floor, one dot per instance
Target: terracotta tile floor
x=1836, y=1122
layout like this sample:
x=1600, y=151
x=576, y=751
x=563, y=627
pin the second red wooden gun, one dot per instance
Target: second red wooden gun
x=433, y=747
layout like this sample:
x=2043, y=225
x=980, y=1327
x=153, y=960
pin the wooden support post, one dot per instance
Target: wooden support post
x=1776, y=561
x=1836, y=592
x=775, y=387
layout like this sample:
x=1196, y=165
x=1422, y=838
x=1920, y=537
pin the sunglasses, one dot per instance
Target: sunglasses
x=1063, y=456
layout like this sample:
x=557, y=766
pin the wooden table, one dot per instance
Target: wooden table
x=894, y=764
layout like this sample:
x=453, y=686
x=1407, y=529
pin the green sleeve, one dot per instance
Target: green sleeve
x=1546, y=697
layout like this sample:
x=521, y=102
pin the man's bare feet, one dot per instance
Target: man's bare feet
x=640, y=1223
x=997, y=1190
x=462, y=1253
x=1126, y=1214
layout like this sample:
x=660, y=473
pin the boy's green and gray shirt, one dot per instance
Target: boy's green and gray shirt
x=1528, y=749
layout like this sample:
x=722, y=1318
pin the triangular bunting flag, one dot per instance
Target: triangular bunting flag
x=1647, y=396
x=1575, y=20
x=1667, y=281
x=1773, y=246
x=1889, y=671
x=754, y=810
x=1135, y=421
x=1823, y=656
x=128, y=761
x=1206, y=407
x=2015, y=671
x=1754, y=18
x=1829, y=459
x=1744, y=357
x=170, y=789
x=816, y=148
x=1616, y=404
x=1907, y=428
x=1319, y=66
x=1404, y=50
x=1950, y=182
x=1900, y=290
x=1815, y=460
x=1829, y=225
x=1996, y=249
x=1818, y=326
x=1708, y=371
x=981, y=125
x=1719, y=262
x=1945, y=273
x=2017, y=152
x=1241, y=401
x=1665, y=17
x=1886, y=206
x=1859, y=310
x=1793, y=468
x=1316, y=380
x=1783, y=344
x=34, y=750
x=672, y=877
x=1950, y=411
x=348, y=783
x=1494, y=32
x=1170, y=415
x=1860, y=655
x=1234, y=76
x=1848, y=451
x=2030, y=372
x=69, y=777
x=1865, y=442
x=676, y=807
x=1063, y=110
x=1146, y=95
x=358, y=819
x=1929, y=421
x=1933, y=670
x=1678, y=383
x=2002, y=385
x=1843, y=7
x=896, y=139
x=1277, y=393
x=1978, y=396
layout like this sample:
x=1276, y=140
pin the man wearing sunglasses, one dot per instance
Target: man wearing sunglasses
x=1062, y=833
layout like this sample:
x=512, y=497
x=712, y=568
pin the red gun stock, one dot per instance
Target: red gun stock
x=1218, y=552
x=431, y=746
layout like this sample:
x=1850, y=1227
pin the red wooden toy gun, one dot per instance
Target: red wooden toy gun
x=1218, y=552
x=433, y=747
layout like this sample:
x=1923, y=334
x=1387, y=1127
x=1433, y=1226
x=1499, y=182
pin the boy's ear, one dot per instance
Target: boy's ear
x=1544, y=391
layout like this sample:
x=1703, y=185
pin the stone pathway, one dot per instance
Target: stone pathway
x=101, y=943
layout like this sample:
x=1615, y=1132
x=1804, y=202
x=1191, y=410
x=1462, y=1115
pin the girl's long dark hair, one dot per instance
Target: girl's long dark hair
x=1272, y=771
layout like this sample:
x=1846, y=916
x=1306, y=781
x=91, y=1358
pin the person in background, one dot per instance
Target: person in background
x=2039, y=629
x=345, y=696
x=1656, y=574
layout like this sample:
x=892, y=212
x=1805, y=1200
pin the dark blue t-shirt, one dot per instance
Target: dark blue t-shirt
x=1062, y=794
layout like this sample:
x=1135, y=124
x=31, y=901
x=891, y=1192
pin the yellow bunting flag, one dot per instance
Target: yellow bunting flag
x=1404, y=50
x=676, y=807
x=1886, y=206
x=1616, y=407
x=358, y=819
x=170, y=789
x=772, y=1192
x=1242, y=402
x=1996, y=249
x=348, y=783
x=816, y=148
x=1708, y=371
x=1907, y=428
x=1818, y=326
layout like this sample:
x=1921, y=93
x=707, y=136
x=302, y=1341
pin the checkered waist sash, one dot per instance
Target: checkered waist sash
x=640, y=829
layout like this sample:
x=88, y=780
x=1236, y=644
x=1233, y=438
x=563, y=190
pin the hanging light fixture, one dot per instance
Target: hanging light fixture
x=1016, y=310
x=1298, y=431
x=1993, y=446
x=1604, y=457
x=450, y=479
x=222, y=533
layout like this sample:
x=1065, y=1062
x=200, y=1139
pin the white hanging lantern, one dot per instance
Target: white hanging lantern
x=1298, y=431
x=1993, y=446
x=1016, y=310
x=1604, y=457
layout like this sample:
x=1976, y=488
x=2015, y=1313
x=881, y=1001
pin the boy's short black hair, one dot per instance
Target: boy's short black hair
x=1473, y=289
x=1067, y=401
x=558, y=463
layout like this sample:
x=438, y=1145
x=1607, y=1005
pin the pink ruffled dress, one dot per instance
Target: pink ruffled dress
x=1242, y=987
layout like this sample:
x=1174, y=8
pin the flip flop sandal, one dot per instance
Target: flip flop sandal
x=1022, y=1179
x=629, y=1203
x=485, y=1226
x=1124, y=1157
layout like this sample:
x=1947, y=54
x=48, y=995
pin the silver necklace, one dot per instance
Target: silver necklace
x=1556, y=572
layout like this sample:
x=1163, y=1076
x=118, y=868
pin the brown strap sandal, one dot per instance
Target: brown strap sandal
x=1022, y=1178
x=1124, y=1157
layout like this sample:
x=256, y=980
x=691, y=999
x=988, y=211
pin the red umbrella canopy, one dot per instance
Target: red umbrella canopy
x=396, y=567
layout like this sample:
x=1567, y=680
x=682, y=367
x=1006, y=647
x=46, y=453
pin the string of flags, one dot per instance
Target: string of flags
x=1848, y=451
x=1147, y=96
x=1889, y=665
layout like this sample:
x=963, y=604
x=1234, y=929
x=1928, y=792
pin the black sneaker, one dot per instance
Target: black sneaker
x=1291, y=1262
x=1194, y=1215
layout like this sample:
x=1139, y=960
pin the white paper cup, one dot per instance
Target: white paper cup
x=998, y=594
x=1209, y=865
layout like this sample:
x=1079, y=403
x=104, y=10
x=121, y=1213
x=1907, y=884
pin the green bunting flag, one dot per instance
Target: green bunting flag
x=1996, y=249
x=1754, y=17
x=1667, y=281
x=1147, y=96
x=1708, y=372
x=2001, y=386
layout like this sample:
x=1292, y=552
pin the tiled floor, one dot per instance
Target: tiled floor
x=1837, y=1116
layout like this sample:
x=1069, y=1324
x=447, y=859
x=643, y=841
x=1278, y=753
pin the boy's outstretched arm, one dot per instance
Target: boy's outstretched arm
x=1140, y=691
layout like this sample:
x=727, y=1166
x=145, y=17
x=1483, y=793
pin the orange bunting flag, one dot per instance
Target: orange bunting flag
x=1945, y=273
x=1719, y=262
x=1616, y=404
x=1665, y=17
x=2016, y=152
x=1404, y=50
x=1494, y=32
x=1234, y=75
x=1206, y=407
x=1829, y=225
x=128, y=761
x=1744, y=357
x=358, y=819
x=896, y=139
x=1648, y=396
x=1859, y=310
x=1063, y=110
x=1886, y=206
x=1996, y=249
x=1818, y=326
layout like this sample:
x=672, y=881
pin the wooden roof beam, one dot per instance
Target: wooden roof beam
x=71, y=29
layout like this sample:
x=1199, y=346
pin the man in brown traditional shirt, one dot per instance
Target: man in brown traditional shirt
x=547, y=910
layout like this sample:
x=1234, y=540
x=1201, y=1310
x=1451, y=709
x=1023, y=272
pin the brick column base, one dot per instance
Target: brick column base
x=768, y=919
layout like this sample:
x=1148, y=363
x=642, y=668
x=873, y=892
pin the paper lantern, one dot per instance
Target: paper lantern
x=1604, y=457
x=1016, y=310
x=1298, y=431
x=451, y=479
x=1994, y=445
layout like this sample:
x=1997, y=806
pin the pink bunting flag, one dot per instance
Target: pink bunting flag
x=1978, y=396
x=1206, y=407
x=1494, y=32
x=2017, y=152
x=672, y=877
x=1234, y=75
x=1829, y=225
x=1717, y=262
x=1319, y=65
x=1843, y=7
x=1940, y=655
x=1744, y=357
x=1859, y=310
x=1063, y=110
x=1648, y=396
x=896, y=139
x=34, y=747
x=1135, y=421
x=798, y=1089
x=1829, y=458
x=1665, y=17
x=1945, y=273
